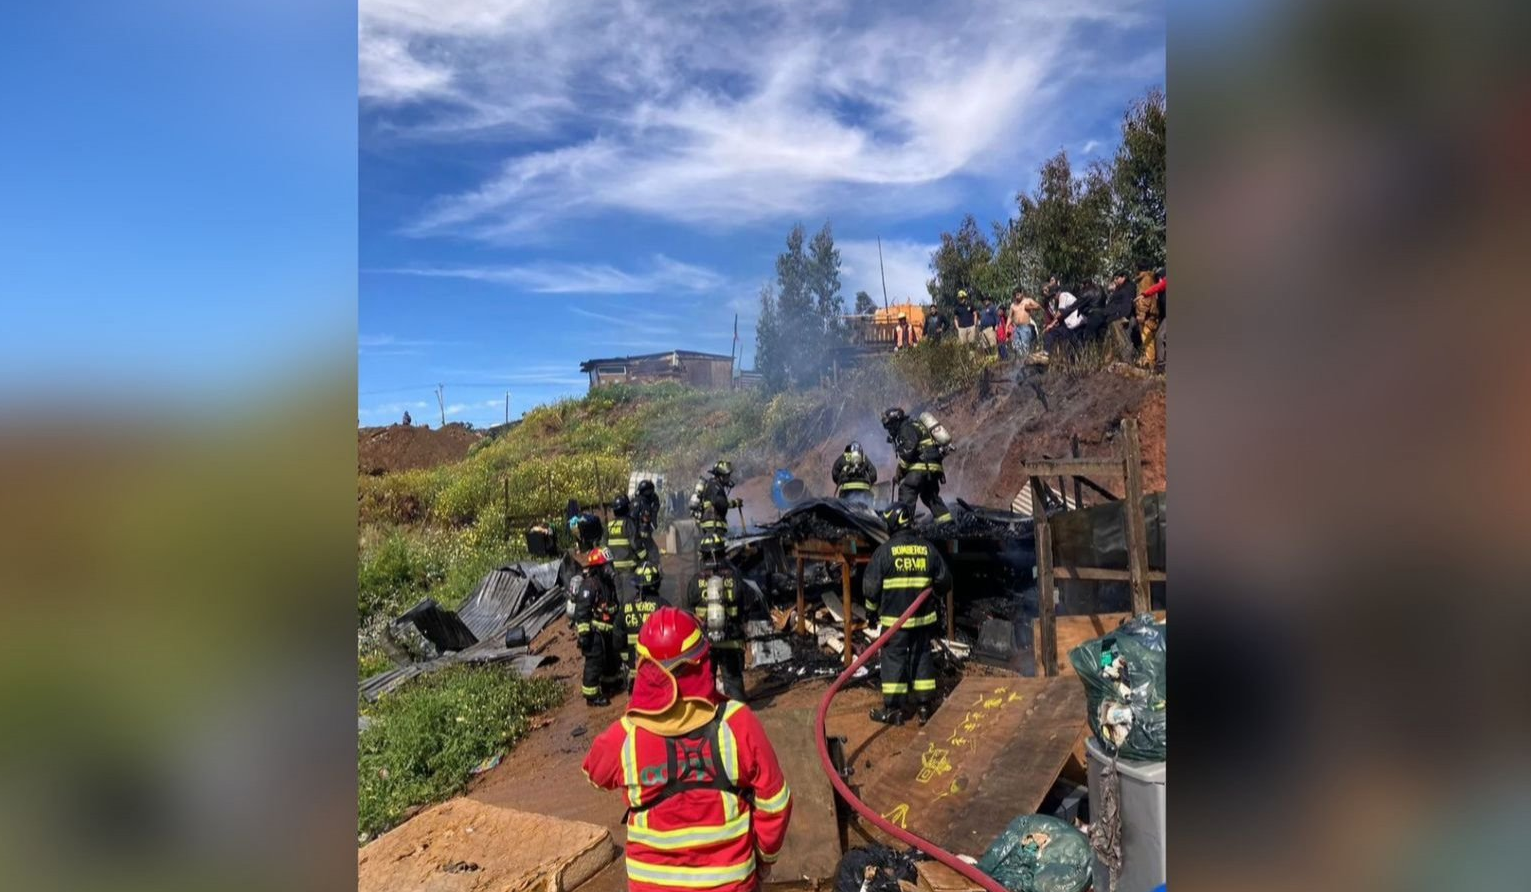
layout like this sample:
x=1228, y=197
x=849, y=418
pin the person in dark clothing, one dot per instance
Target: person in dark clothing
x=988, y=323
x=901, y=568
x=1118, y=314
x=646, y=512
x=585, y=527
x=920, y=473
x=724, y=625
x=622, y=540
x=967, y=320
x=935, y=326
x=710, y=502
x=1091, y=307
x=854, y=475
x=598, y=628
x=637, y=606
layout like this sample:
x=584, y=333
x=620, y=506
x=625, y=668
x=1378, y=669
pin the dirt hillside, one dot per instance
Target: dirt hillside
x=995, y=435
x=397, y=447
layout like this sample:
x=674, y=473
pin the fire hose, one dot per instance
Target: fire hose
x=861, y=808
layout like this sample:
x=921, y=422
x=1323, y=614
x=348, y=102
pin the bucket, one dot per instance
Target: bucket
x=787, y=490
x=1143, y=819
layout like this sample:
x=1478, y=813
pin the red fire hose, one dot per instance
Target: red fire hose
x=919, y=842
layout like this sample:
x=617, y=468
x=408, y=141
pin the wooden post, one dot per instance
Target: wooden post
x=845, y=585
x=1047, y=648
x=1078, y=490
x=802, y=603
x=1137, y=536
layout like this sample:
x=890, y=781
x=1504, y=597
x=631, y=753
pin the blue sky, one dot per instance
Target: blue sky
x=177, y=197
x=546, y=182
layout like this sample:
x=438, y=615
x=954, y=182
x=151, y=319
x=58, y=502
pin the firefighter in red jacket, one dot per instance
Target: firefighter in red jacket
x=707, y=804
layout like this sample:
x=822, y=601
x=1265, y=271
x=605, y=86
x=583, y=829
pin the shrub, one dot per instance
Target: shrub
x=398, y=570
x=426, y=738
x=934, y=369
x=402, y=497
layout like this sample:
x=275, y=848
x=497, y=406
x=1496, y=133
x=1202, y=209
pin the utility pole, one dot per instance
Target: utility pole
x=882, y=272
x=442, y=403
x=507, y=408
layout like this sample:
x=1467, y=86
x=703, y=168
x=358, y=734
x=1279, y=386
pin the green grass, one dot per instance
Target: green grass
x=370, y=663
x=427, y=737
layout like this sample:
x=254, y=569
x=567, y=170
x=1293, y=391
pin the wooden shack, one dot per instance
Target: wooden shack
x=706, y=371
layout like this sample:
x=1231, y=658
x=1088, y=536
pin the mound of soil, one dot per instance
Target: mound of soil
x=397, y=447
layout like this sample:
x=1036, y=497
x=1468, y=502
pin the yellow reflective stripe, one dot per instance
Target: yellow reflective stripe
x=632, y=639
x=729, y=747
x=907, y=582
x=773, y=804
x=890, y=687
x=925, y=466
x=630, y=763
x=730, y=805
x=854, y=484
x=589, y=692
x=604, y=627
x=581, y=628
x=692, y=640
x=768, y=859
x=622, y=542
x=689, y=877
x=924, y=684
x=686, y=837
x=914, y=621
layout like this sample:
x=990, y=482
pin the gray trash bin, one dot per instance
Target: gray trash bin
x=1142, y=808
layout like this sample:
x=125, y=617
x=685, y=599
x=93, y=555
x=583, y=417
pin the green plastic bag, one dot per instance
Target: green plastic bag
x=1039, y=853
x=1125, y=683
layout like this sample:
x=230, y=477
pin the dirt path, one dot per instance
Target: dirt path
x=542, y=774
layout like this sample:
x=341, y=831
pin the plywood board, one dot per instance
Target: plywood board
x=812, y=848
x=463, y=845
x=990, y=753
x=1076, y=630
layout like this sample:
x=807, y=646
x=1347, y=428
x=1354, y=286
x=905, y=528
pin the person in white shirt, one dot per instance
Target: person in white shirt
x=1053, y=336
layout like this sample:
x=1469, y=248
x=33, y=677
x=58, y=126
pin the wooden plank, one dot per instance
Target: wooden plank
x=1137, y=536
x=802, y=606
x=1101, y=574
x=1047, y=644
x=433, y=851
x=990, y=753
x=812, y=848
x=1073, y=631
x=1110, y=468
x=850, y=618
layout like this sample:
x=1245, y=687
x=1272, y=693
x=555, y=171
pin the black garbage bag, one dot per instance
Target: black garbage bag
x=874, y=868
x=1039, y=853
x=1125, y=683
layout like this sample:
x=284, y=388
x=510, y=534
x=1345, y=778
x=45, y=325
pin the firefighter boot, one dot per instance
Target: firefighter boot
x=887, y=715
x=924, y=712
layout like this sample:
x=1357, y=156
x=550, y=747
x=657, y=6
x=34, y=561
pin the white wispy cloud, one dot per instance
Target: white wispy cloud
x=722, y=113
x=662, y=274
x=907, y=264
x=1090, y=146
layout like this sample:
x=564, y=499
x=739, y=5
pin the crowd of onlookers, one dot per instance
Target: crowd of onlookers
x=1127, y=316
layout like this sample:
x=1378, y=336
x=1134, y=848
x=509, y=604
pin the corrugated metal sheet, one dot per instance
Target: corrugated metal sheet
x=519, y=595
